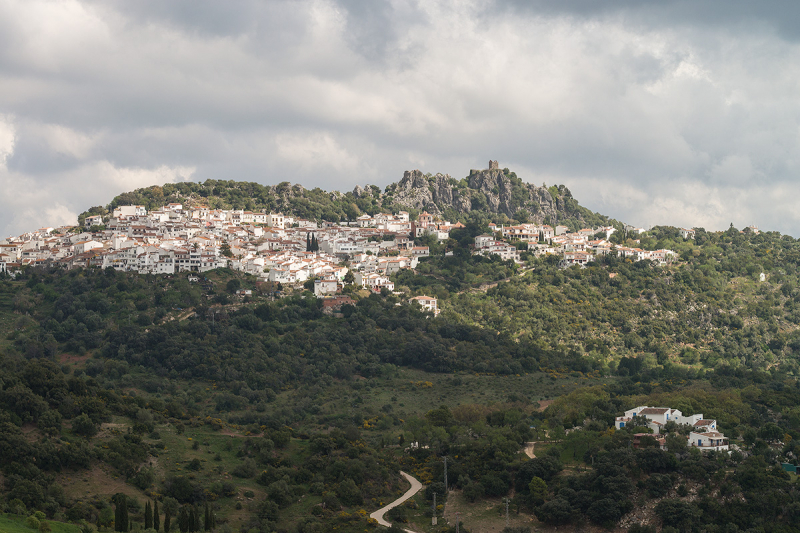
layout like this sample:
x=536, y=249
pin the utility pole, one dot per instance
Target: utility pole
x=505, y=501
x=458, y=519
x=433, y=521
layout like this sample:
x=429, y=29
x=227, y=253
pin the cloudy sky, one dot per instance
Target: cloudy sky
x=680, y=112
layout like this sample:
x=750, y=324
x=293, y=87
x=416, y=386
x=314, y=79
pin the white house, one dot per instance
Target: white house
x=95, y=220
x=576, y=258
x=374, y=282
x=421, y=251
x=276, y=220
x=484, y=241
x=84, y=246
x=323, y=287
x=710, y=440
x=659, y=416
x=687, y=233
x=129, y=211
x=428, y=303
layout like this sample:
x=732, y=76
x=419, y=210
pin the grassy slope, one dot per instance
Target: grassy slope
x=15, y=524
x=411, y=393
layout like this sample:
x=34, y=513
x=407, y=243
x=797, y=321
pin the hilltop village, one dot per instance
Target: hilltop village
x=287, y=250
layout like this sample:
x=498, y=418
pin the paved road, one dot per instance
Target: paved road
x=415, y=486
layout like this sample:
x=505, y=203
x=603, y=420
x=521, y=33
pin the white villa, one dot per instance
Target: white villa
x=428, y=303
x=709, y=440
x=704, y=430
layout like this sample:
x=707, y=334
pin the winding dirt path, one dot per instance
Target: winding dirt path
x=415, y=486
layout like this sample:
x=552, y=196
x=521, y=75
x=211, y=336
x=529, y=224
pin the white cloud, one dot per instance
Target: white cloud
x=315, y=152
x=646, y=120
x=7, y=137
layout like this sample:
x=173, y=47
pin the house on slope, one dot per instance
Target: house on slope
x=428, y=303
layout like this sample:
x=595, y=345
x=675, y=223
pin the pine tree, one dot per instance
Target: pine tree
x=148, y=516
x=166, y=521
x=155, y=516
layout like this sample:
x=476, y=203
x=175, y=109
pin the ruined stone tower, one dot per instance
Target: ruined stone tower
x=493, y=165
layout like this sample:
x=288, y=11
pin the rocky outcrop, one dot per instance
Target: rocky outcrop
x=493, y=190
x=429, y=193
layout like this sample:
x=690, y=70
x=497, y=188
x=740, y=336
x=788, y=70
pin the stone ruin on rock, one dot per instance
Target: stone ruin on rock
x=493, y=165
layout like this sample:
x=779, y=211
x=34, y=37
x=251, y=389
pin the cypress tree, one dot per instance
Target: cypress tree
x=166, y=521
x=195, y=519
x=123, y=517
x=207, y=519
x=183, y=520
x=117, y=514
x=155, y=516
x=148, y=516
x=308, y=242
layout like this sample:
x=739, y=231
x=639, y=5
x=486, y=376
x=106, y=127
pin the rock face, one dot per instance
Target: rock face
x=494, y=190
x=429, y=193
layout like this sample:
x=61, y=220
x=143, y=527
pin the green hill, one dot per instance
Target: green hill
x=280, y=416
x=497, y=194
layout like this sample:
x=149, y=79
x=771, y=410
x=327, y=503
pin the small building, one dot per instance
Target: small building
x=710, y=440
x=325, y=286
x=428, y=303
x=129, y=211
x=421, y=251
x=484, y=241
x=95, y=220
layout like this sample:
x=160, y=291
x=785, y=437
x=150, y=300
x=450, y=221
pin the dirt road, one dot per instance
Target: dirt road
x=529, y=449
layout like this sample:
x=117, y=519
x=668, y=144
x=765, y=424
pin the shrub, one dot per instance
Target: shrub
x=32, y=522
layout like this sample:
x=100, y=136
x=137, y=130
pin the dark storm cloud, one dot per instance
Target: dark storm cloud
x=744, y=14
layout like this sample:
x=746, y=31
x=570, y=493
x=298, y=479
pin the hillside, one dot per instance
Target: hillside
x=283, y=417
x=497, y=193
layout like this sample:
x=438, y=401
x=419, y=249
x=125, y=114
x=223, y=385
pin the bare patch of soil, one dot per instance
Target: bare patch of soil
x=73, y=360
x=84, y=484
